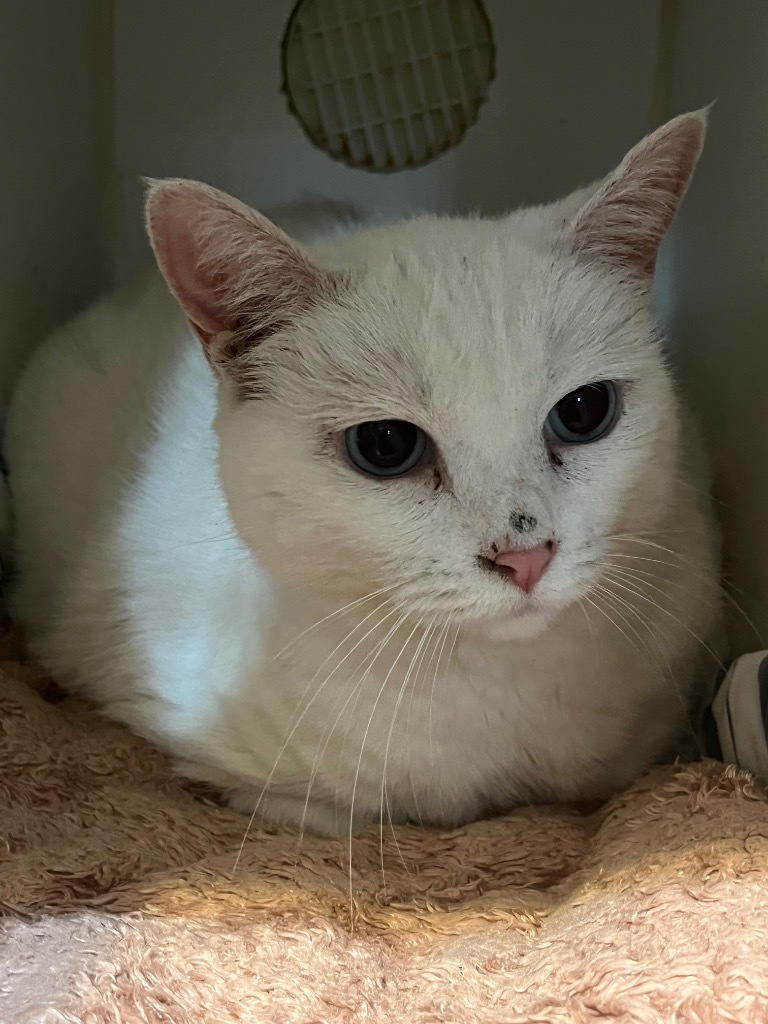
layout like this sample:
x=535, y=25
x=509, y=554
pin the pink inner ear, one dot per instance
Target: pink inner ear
x=625, y=221
x=229, y=267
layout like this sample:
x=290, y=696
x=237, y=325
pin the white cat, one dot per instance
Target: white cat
x=403, y=525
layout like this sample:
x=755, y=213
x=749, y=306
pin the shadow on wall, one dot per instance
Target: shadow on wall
x=52, y=258
x=719, y=287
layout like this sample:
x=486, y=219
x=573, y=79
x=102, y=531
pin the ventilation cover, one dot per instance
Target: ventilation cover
x=387, y=84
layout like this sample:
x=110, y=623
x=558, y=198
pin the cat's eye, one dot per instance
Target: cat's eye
x=586, y=414
x=385, y=447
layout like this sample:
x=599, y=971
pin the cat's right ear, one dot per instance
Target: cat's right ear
x=624, y=218
x=236, y=275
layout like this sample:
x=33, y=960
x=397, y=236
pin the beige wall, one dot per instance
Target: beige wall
x=51, y=180
x=720, y=286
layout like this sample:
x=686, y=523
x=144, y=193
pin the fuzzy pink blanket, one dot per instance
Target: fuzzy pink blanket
x=121, y=903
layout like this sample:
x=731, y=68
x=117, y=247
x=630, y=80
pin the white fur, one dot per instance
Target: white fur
x=176, y=544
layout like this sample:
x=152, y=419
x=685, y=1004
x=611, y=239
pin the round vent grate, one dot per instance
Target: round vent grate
x=387, y=84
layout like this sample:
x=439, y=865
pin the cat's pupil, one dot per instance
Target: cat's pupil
x=386, y=448
x=583, y=411
x=586, y=414
x=386, y=443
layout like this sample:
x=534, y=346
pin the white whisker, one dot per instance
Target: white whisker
x=678, y=694
x=430, y=728
x=384, y=797
x=355, y=692
x=675, y=618
x=328, y=618
x=362, y=750
x=307, y=707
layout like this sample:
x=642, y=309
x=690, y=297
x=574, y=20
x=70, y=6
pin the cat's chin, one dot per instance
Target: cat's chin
x=523, y=626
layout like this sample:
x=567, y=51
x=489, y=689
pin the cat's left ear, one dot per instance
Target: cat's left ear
x=623, y=223
x=237, y=276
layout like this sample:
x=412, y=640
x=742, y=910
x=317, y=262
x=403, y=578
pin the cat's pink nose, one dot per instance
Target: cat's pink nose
x=526, y=566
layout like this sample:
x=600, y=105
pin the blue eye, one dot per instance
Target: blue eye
x=586, y=414
x=385, y=447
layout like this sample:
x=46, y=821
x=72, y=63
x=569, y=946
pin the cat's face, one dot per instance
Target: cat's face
x=453, y=344
x=473, y=338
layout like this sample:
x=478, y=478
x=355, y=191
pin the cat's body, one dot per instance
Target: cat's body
x=325, y=644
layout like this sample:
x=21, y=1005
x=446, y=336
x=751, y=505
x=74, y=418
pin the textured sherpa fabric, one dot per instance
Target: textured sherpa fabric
x=121, y=902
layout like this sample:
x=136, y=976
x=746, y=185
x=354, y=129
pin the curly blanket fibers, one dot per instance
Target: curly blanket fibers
x=122, y=903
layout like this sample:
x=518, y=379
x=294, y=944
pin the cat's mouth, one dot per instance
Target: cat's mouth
x=519, y=623
x=522, y=605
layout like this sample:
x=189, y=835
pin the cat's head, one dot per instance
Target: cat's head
x=456, y=415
